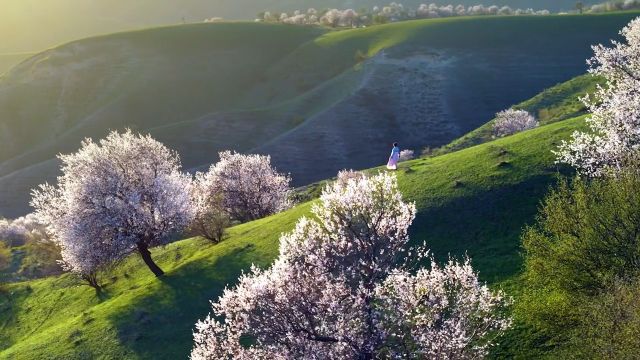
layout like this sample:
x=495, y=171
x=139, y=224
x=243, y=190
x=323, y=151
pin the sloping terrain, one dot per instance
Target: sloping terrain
x=476, y=201
x=34, y=25
x=317, y=101
x=7, y=61
x=557, y=103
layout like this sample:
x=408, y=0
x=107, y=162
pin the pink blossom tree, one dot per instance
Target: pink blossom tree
x=250, y=187
x=123, y=194
x=615, y=109
x=336, y=291
x=512, y=121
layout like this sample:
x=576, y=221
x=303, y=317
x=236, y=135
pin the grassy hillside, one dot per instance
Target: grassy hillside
x=555, y=104
x=33, y=25
x=316, y=100
x=476, y=200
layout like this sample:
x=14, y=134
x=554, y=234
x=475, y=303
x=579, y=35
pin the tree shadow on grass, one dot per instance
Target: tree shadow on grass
x=486, y=226
x=159, y=326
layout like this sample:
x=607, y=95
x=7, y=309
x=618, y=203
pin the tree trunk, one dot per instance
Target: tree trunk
x=92, y=280
x=143, y=249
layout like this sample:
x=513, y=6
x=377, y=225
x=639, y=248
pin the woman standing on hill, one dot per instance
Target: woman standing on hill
x=394, y=158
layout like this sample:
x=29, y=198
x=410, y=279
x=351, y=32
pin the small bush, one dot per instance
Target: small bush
x=513, y=121
x=42, y=259
x=344, y=176
x=406, y=155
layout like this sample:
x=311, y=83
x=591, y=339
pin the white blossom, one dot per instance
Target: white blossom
x=211, y=218
x=614, y=108
x=331, y=18
x=250, y=187
x=406, y=155
x=123, y=194
x=511, y=121
x=392, y=12
x=348, y=18
x=23, y=229
x=344, y=176
x=336, y=292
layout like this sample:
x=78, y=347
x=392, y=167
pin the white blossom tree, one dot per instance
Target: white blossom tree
x=336, y=291
x=511, y=121
x=344, y=176
x=614, y=108
x=123, y=194
x=348, y=18
x=406, y=155
x=22, y=230
x=331, y=18
x=250, y=187
x=211, y=218
x=392, y=12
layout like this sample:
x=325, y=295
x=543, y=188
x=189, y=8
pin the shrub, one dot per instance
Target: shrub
x=42, y=258
x=586, y=238
x=21, y=230
x=611, y=324
x=406, y=155
x=344, y=176
x=511, y=121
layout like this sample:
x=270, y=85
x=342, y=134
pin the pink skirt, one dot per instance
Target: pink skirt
x=393, y=162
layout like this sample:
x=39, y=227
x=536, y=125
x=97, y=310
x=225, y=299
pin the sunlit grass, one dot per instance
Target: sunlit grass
x=474, y=201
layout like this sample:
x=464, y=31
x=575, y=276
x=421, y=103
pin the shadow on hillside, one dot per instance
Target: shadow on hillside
x=160, y=326
x=486, y=226
x=10, y=301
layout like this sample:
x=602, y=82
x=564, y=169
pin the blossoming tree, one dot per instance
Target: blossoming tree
x=250, y=187
x=406, y=155
x=336, y=291
x=615, y=109
x=512, y=121
x=123, y=194
x=211, y=218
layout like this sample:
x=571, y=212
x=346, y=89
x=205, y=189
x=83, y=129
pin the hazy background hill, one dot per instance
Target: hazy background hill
x=318, y=101
x=34, y=25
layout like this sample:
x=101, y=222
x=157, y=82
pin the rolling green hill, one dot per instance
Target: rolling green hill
x=475, y=200
x=555, y=104
x=316, y=100
x=34, y=25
